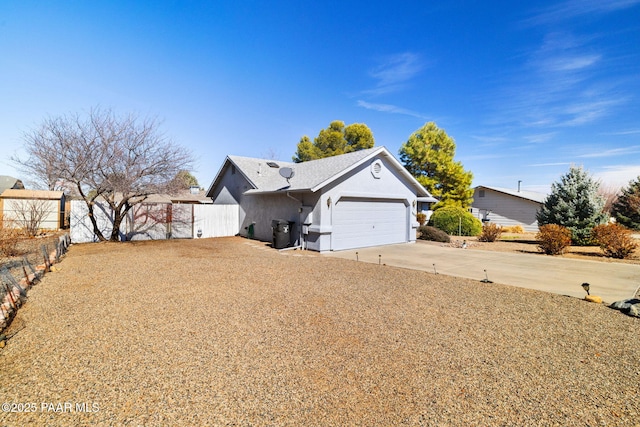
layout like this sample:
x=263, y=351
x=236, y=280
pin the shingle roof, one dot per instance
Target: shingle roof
x=7, y=182
x=308, y=176
x=528, y=195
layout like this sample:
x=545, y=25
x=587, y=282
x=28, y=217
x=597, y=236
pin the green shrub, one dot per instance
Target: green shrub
x=433, y=234
x=490, y=233
x=453, y=220
x=614, y=240
x=553, y=239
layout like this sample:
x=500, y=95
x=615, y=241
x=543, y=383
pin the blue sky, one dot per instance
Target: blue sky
x=526, y=89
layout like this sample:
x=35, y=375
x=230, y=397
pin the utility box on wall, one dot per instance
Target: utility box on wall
x=306, y=215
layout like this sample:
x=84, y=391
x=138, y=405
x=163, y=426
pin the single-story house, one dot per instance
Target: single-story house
x=358, y=199
x=507, y=207
x=20, y=205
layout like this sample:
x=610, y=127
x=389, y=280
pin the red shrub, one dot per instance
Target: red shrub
x=553, y=239
x=614, y=240
x=490, y=233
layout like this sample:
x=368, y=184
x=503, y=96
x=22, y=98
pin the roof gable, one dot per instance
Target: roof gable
x=308, y=176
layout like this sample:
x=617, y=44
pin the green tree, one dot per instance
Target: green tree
x=626, y=209
x=334, y=140
x=184, y=180
x=574, y=203
x=428, y=155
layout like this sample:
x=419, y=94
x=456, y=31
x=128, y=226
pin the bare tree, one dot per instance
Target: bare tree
x=29, y=214
x=610, y=194
x=117, y=159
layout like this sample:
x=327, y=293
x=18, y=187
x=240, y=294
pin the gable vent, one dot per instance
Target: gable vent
x=376, y=168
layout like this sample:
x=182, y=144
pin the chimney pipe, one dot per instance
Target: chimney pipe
x=519, y=182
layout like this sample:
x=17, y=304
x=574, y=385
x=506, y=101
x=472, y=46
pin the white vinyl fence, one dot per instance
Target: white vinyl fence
x=156, y=221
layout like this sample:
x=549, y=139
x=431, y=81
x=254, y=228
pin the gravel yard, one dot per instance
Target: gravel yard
x=231, y=332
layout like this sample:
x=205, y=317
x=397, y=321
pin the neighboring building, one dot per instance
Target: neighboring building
x=17, y=204
x=9, y=182
x=507, y=207
x=359, y=199
x=163, y=216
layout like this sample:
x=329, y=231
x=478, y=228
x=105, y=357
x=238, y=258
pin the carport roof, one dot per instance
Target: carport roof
x=264, y=176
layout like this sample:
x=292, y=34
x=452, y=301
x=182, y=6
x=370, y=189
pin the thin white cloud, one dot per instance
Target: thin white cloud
x=388, y=108
x=613, y=152
x=573, y=8
x=490, y=140
x=589, y=111
x=571, y=63
x=393, y=72
x=617, y=175
x=539, y=138
x=624, y=132
x=475, y=157
x=541, y=165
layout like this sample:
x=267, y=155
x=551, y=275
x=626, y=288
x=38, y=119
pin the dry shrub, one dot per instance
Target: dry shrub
x=9, y=238
x=614, y=239
x=553, y=239
x=515, y=229
x=490, y=233
x=433, y=234
x=421, y=217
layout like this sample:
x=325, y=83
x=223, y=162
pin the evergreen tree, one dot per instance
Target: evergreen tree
x=334, y=140
x=574, y=203
x=428, y=156
x=185, y=180
x=626, y=209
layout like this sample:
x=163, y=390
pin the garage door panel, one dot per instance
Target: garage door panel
x=360, y=223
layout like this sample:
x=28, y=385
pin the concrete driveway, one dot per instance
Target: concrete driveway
x=609, y=280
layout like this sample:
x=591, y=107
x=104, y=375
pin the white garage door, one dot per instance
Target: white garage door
x=359, y=223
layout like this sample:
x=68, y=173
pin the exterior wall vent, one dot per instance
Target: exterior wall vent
x=376, y=168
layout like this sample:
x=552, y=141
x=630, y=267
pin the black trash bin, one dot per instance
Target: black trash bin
x=281, y=233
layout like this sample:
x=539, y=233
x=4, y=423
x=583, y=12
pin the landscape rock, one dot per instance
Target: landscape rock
x=628, y=306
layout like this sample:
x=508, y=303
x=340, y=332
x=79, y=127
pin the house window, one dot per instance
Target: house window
x=481, y=193
x=233, y=170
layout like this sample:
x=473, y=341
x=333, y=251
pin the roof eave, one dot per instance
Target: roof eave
x=420, y=190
